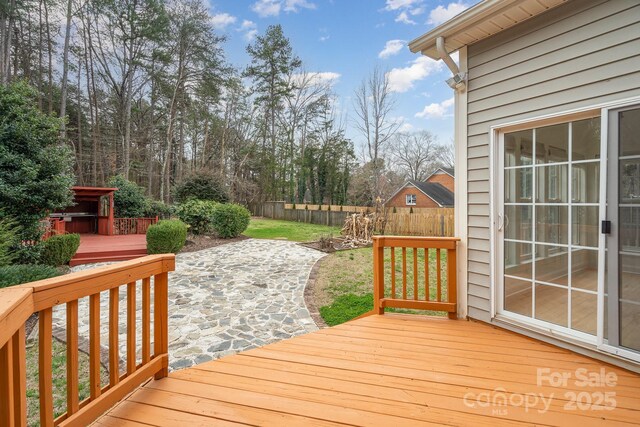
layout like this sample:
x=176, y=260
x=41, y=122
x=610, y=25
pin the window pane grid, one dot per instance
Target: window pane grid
x=554, y=192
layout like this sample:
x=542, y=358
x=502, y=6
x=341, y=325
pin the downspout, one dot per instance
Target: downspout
x=459, y=80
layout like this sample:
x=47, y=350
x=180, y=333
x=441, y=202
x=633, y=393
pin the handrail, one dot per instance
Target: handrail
x=18, y=303
x=123, y=226
x=417, y=294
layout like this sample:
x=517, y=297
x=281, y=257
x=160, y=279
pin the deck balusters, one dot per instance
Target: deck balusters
x=411, y=299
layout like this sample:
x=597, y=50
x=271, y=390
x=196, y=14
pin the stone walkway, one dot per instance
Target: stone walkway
x=224, y=300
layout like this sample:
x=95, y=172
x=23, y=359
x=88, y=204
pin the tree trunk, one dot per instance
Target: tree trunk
x=65, y=72
x=50, y=57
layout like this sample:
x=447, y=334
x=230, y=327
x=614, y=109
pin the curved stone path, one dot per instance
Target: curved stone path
x=226, y=299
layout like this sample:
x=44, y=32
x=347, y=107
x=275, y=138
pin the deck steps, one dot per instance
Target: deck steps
x=90, y=258
x=96, y=248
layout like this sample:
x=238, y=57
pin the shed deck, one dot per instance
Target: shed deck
x=101, y=248
x=390, y=370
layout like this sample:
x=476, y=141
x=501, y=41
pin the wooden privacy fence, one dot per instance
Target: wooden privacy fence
x=422, y=222
x=122, y=226
x=404, y=221
x=417, y=287
x=18, y=303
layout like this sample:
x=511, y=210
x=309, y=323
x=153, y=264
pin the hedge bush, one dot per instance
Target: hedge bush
x=8, y=240
x=58, y=250
x=197, y=214
x=230, y=220
x=157, y=208
x=24, y=273
x=129, y=200
x=201, y=186
x=167, y=236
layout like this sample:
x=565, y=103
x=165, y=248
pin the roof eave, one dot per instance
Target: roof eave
x=426, y=44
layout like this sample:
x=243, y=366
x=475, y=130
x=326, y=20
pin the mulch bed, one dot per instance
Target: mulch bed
x=332, y=245
x=197, y=243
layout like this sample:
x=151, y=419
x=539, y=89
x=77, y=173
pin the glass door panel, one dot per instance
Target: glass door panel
x=623, y=282
x=551, y=218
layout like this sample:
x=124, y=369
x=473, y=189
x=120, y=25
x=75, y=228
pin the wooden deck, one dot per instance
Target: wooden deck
x=390, y=370
x=100, y=248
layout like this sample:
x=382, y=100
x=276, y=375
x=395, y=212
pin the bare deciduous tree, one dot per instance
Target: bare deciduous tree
x=374, y=105
x=415, y=154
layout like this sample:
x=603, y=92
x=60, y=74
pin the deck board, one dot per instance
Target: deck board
x=381, y=370
x=99, y=248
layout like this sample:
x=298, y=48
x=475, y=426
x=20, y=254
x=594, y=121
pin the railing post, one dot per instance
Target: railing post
x=20, y=377
x=378, y=274
x=452, y=280
x=160, y=319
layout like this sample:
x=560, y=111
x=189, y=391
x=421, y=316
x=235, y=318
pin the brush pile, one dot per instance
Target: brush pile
x=358, y=229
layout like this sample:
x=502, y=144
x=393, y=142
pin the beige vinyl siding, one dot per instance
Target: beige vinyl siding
x=576, y=55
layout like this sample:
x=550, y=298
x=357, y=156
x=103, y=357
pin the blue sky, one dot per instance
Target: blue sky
x=346, y=39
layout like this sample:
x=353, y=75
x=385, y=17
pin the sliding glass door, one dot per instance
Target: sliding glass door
x=548, y=220
x=622, y=302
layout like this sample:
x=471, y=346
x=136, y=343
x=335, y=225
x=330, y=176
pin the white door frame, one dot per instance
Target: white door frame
x=605, y=141
x=496, y=133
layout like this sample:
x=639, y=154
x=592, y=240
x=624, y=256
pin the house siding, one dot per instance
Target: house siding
x=443, y=179
x=422, y=201
x=576, y=55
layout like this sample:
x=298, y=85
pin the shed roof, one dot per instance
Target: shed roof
x=92, y=191
x=483, y=20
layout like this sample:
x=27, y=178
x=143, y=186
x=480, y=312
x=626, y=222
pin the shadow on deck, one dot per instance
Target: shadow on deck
x=391, y=370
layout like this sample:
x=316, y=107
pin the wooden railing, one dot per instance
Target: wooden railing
x=428, y=283
x=122, y=226
x=18, y=303
x=54, y=226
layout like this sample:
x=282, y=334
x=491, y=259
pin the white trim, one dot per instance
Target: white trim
x=591, y=111
x=604, y=150
x=602, y=240
x=497, y=232
x=461, y=198
x=444, y=172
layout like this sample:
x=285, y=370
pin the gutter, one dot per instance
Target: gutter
x=458, y=81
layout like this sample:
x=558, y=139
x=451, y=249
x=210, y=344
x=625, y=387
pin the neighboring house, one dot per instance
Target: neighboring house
x=445, y=177
x=421, y=195
x=547, y=114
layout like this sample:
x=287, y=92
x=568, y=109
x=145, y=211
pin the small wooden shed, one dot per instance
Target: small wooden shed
x=91, y=213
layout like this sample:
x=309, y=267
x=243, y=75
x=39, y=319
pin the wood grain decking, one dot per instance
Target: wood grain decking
x=99, y=248
x=389, y=370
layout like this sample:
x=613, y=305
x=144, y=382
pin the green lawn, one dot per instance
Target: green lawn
x=344, y=282
x=261, y=228
x=59, y=379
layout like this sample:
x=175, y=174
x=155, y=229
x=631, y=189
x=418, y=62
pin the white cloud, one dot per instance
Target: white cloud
x=403, y=17
x=324, y=38
x=442, y=14
x=293, y=5
x=392, y=47
x=222, y=20
x=265, y=8
x=401, y=4
x=402, y=79
x=437, y=109
x=405, y=127
x=249, y=28
x=405, y=9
